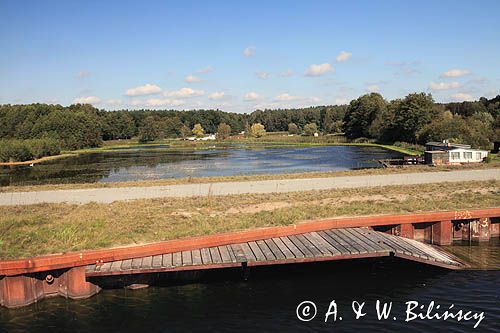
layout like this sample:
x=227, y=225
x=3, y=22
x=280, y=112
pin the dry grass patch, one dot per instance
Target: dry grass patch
x=54, y=228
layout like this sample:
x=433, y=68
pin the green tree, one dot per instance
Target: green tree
x=410, y=115
x=444, y=127
x=310, y=129
x=248, y=130
x=336, y=127
x=257, y=130
x=223, y=131
x=150, y=130
x=198, y=130
x=185, y=131
x=361, y=113
x=293, y=129
x=172, y=127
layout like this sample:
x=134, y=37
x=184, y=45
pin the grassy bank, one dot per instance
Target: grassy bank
x=53, y=228
x=271, y=140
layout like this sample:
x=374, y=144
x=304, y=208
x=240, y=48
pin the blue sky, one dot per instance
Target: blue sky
x=239, y=56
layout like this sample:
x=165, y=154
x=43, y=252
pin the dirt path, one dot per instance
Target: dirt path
x=107, y=195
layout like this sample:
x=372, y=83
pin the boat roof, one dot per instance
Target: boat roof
x=447, y=145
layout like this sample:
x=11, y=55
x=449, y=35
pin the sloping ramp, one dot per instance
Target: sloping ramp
x=332, y=244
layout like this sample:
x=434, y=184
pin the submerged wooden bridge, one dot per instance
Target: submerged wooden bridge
x=409, y=236
x=331, y=244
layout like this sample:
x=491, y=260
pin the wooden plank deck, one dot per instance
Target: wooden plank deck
x=332, y=244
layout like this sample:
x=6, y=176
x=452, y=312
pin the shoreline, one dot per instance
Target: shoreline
x=38, y=160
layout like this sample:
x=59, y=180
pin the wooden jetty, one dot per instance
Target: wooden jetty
x=326, y=245
x=408, y=236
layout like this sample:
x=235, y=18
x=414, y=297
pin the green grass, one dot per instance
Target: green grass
x=269, y=141
x=53, y=228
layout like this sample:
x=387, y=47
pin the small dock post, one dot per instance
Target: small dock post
x=245, y=271
x=442, y=232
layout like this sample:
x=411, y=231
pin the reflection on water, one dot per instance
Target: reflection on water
x=485, y=255
x=268, y=300
x=166, y=163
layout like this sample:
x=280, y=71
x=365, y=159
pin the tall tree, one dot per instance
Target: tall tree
x=150, y=130
x=293, y=129
x=223, y=131
x=198, y=130
x=411, y=115
x=361, y=113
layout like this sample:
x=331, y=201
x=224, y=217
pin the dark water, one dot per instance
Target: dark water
x=166, y=163
x=267, y=302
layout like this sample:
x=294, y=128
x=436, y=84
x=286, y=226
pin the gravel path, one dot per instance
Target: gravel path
x=107, y=195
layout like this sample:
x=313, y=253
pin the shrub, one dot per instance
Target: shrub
x=410, y=146
x=257, y=130
x=293, y=128
x=24, y=150
x=43, y=147
x=310, y=129
x=362, y=140
x=14, y=151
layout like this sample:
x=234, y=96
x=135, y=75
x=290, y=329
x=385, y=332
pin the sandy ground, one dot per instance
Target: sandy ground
x=107, y=195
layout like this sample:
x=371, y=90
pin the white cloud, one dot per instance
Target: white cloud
x=315, y=99
x=184, y=93
x=136, y=102
x=113, y=102
x=286, y=97
x=87, y=100
x=249, y=51
x=192, y=79
x=462, y=97
x=343, y=56
x=82, y=74
x=251, y=96
x=373, y=88
x=216, y=95
x=444, y=85
x=287, y=73
x=341, y=101
x=206, y=70
x=262, y=75
x=456, y=73
x=155, y=102
x=318, y=70
x=147, y=89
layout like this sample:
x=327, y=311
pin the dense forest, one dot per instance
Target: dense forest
x=415, y=118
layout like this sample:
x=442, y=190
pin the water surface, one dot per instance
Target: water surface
x=169, y=163
x=267, y=302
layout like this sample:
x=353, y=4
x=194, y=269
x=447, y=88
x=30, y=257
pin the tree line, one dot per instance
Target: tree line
x=416, y=118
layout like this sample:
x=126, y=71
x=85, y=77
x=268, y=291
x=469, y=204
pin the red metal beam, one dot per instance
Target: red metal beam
x=51, y=262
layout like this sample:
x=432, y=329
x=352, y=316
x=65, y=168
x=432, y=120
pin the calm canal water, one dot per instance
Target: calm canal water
x=267, y=301
x=166, y=163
